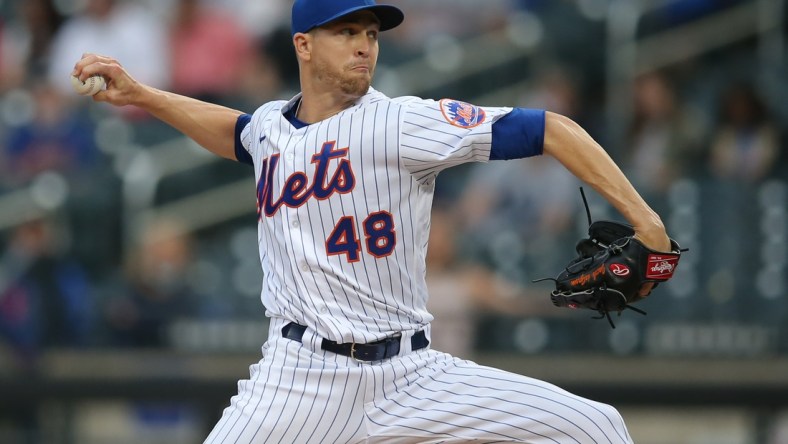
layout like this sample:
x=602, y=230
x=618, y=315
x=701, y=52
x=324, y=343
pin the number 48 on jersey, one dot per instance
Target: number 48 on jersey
x=379, y=237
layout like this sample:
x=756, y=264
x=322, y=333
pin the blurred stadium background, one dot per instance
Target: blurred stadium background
x=129, y=277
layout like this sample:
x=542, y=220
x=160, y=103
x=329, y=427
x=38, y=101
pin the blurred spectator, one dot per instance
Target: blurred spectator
x=745, y=144
x=260, y=18
x=26, y=42
x=277, y=49
x=157, y=292
x=45, y=296
x=451, y=298
x=209, y=51
x=120, y=29
x=461, y=292
x=557, y=87
x=261, y=80
x=665, y=138
x=11, y=71
x=556, y=91
x=514, y=212
x=456, y=18
x=743, y=151
x=57, y=138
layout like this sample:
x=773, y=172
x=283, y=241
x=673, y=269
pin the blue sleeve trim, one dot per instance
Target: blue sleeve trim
x=241, y=154
x=518, y=134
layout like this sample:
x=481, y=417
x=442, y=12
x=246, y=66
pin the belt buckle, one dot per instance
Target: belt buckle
x=353, y=353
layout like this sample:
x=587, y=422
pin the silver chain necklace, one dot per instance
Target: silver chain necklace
x=298, y=107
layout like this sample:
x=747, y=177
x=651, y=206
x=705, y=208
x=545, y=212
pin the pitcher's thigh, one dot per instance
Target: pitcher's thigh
x=450, y=400
x=284, y=402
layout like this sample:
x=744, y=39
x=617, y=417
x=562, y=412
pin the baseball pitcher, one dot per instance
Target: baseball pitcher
x=345, y=178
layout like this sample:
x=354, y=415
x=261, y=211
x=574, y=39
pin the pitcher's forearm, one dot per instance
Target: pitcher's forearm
x=580, y=154
x=210, y=125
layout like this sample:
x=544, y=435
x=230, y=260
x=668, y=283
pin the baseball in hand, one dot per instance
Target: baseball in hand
x=89, y=87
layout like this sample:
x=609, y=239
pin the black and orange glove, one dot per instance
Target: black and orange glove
x=611, y=268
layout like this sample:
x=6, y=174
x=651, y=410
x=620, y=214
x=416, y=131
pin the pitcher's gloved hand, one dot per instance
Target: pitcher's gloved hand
x=611, y=268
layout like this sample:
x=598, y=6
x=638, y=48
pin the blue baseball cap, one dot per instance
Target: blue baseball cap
x=308, y=14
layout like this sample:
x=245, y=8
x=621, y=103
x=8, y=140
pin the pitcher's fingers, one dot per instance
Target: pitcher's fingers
x=646, y=289
x=86, y=59
x=85, y=67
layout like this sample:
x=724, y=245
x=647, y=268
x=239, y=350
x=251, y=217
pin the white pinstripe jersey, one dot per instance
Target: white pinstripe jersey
x=344, y=208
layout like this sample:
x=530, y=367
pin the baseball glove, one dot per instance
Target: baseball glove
x=610, y=269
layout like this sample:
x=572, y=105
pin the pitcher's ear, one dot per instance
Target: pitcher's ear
x=303, y=45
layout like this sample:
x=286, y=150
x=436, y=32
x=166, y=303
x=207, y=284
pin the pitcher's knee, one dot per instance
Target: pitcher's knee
x=613, y=426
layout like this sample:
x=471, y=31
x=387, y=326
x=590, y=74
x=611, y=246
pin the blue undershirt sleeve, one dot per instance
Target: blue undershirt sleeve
x=241, y=154
x=518, y=134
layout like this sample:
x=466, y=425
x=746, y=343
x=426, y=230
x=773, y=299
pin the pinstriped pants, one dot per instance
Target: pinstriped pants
x=298, y=393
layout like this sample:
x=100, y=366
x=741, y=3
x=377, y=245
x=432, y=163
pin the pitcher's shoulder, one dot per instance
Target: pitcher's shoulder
x=269, y=107
x=375, y=96
x=412, y=101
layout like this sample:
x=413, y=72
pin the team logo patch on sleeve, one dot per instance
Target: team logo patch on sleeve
x=462, y=114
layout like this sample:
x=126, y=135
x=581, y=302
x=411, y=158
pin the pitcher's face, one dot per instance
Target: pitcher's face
x=345, y=53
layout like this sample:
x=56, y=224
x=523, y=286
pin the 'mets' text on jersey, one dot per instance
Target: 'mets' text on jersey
x=298, y=187
x=344, y=208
